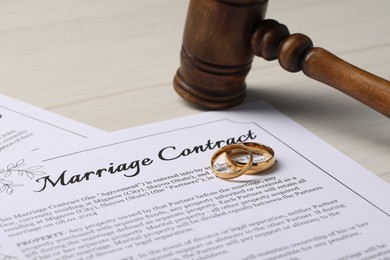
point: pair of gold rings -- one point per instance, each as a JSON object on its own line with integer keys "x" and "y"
{"x": 244, "y": 158}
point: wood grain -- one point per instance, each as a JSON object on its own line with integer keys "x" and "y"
{"x": 110, "y": 64}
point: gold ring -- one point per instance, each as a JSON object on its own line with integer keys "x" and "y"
{"x": 262, "y": 164}
{"x": 242, "y": 167}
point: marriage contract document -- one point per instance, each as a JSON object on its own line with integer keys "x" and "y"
{"x": 149, "y": 193}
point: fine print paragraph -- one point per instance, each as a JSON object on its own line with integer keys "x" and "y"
{"x": 12, "y": 138}
{"x": 139, "y": 231}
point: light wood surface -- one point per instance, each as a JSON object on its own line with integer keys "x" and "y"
{"x": 110, "y": 64}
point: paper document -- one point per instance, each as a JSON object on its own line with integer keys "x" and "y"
{"x": 149, "y": 193}
{"x": 24, "y": 128}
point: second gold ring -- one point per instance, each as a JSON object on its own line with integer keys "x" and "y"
{"x": 263, "y": 158}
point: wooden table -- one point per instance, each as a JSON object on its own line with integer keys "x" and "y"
{"x": 110, "y": 64}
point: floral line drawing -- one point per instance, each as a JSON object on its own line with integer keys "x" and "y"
{"x": 8, "y": 186}
{"x": 19, "y": 169}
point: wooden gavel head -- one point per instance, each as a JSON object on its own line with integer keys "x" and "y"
{"x": 221, "y": 37}
{"x": 216, "y": 55}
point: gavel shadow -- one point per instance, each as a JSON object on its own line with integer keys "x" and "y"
{"x": 330, "y": 114}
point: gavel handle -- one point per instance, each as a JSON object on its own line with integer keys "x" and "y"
{"x": 295, "y": 52}
{"x": 369, "y": 89}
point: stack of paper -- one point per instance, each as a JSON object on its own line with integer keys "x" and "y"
{"x": 148, "y": 192}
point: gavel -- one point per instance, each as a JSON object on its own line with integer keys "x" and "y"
{"x": 221, "y": 38}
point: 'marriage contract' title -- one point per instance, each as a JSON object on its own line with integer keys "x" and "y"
{"x": 133, "y": 168}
